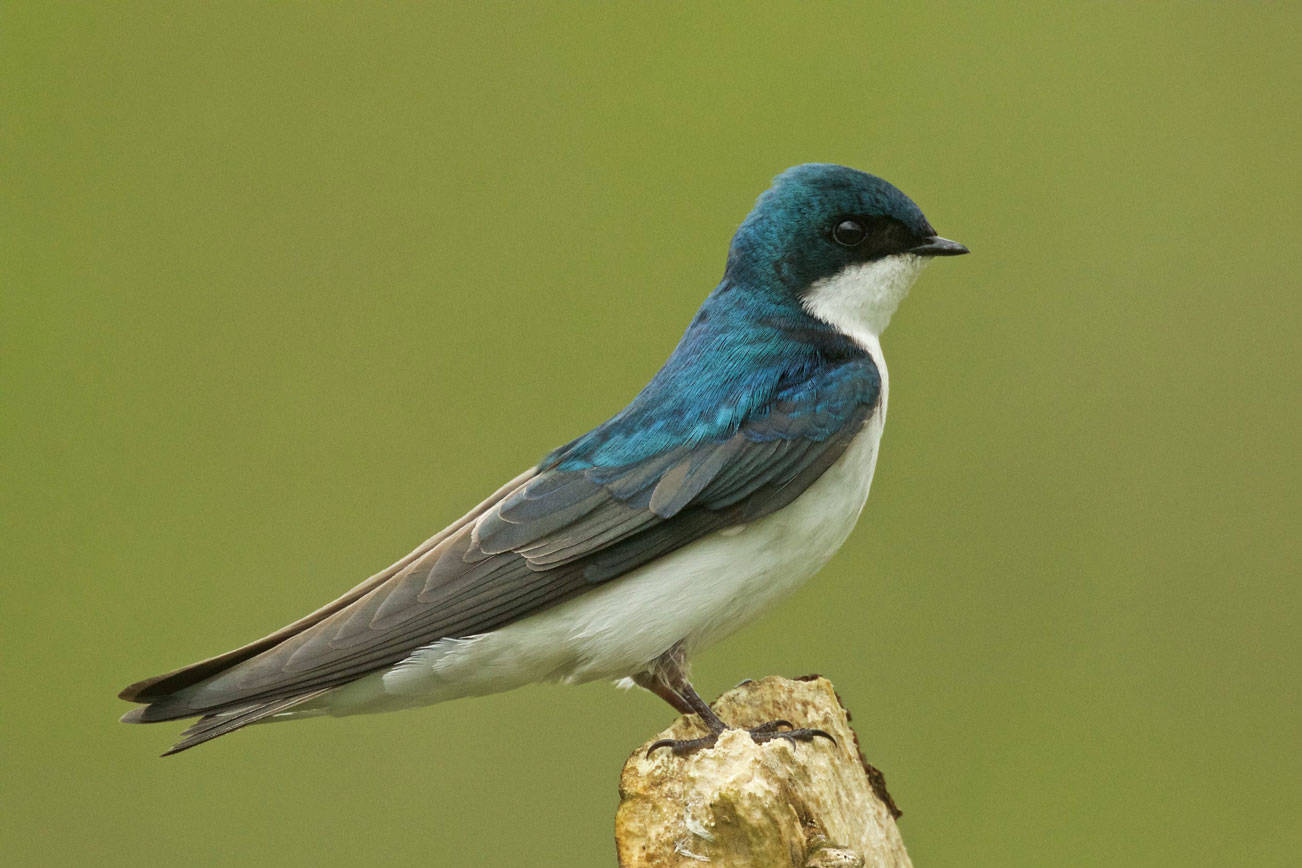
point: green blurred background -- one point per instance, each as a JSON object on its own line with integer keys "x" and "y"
{"x": 288, "y": 286}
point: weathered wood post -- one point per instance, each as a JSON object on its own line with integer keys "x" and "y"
{"x": 809, "y": 805}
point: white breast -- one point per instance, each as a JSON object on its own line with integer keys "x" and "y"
{"x": 697, "y": 594}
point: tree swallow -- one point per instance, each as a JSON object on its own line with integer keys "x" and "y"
{"x": 727, "y": 482}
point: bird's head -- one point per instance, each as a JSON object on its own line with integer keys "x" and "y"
{"x": 845, "y": 244}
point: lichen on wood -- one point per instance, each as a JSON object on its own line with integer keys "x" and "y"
{"x": 813, "y": 804}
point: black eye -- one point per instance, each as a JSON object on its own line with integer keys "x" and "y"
{"x": 848, "y": 233}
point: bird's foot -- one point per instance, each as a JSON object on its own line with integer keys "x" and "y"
{"x": 774, "y": 729}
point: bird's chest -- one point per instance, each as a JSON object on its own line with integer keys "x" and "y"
{"x": 792, "y": 544}
{"x": 726, "y": 580}
{"x": 706, "y": 590}
{"x": 800, "y": 538}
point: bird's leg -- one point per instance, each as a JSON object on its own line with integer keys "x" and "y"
{"x": 668, "y": 677}
{"x": 666, "y": 670}
{"x": 649, "y": 681}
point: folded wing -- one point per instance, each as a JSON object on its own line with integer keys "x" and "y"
{"x": 546, "y": 537}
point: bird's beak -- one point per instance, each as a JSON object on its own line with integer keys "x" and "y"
{"x": 937, "y": 246}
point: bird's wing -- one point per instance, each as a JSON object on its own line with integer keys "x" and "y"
{"x": 547, "y": 538}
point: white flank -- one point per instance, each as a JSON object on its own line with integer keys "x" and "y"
{"x": 697, "y": 594}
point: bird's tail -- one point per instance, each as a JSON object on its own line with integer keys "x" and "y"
{"x": 218, "y": 723}
{"x": 180, "y": 694}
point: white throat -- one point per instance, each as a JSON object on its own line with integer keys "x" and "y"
{"x": 859, "y": 299}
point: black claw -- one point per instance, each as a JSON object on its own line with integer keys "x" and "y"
{"x": 791, "y": 735}
{"x": 771, "y": 726}
{"x": 768, "y": 731}
{"x": 683, "y": 746}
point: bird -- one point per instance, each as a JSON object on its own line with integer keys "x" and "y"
{"x": 730, "y": 479}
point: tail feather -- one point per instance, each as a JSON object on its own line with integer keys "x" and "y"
{"x": 211, "y": 726}
{"x": 166, "y": 708}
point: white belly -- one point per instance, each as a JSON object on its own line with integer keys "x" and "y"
{"x": 696, "y": 595}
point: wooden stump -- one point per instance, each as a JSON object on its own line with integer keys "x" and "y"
{"x": 808, "y": 805}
